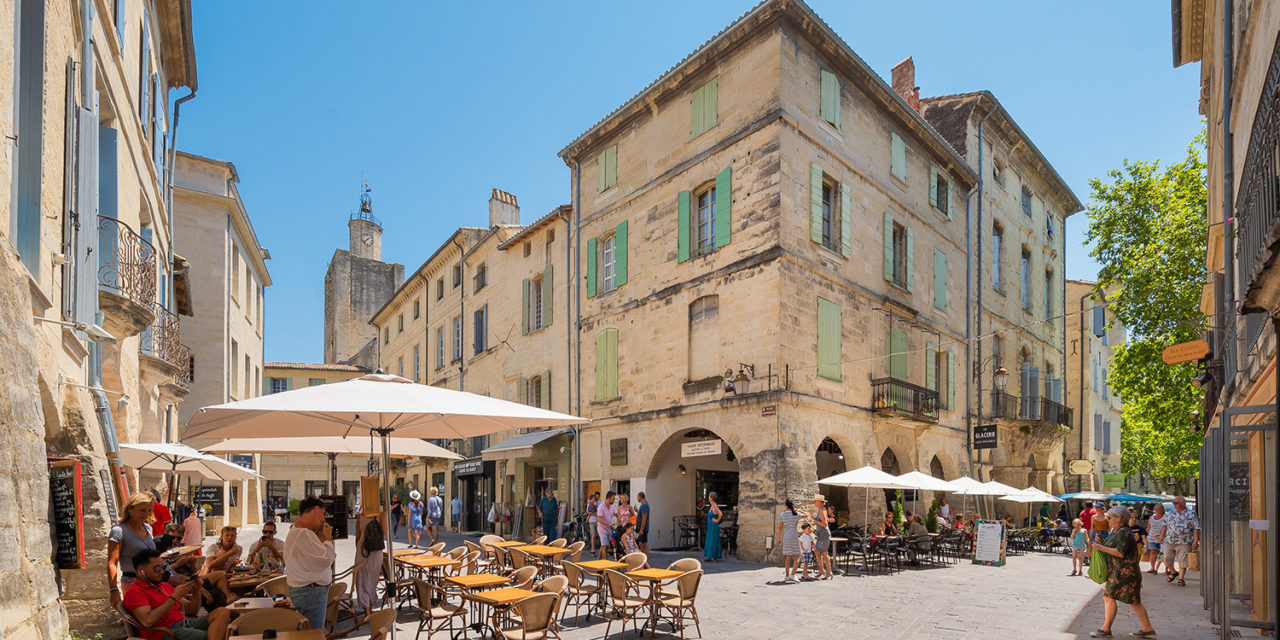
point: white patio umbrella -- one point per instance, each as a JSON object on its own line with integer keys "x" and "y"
{"x": 1031, "y": 495}
{"x": 965, "y": 486}
{"x": 179, "y": 459}
{"x": 867, "y": 477}
{"x": 332, "y": 447}
{"x": 921, "y": 481}
{"x": 385, "y": 405}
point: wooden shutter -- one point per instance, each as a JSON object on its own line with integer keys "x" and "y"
{"x": 28, "y": 217}
{"x": 933, "y": 186}
{"x": 144, "y": 71}
{"x": 898, "y": 354}
{"x": 592, "y": 249}
{"x": 888, "y": 247}
{"x": 951, "y": 381}
{"x": 830, "y": 98}
{"x": 1097, "y": 430}
{"x": 682, "y": 235}
{"x": 898, "y": 156}
{"x": 546, "y": 389}
{"x": 939, "y": 279}
{"x": 602, "y": 172}
{"x": 522, "y": 390}
{"x": 524, "y": 305}
{"x": 620, "y": 254}
{"x": 548, "y": 296}
{"x": 288, "y": 384}
{"x": 697, "y": 124}
{"x": 724, "y": 207}
{"x": 930, "y": 366}
{"x": 602, "y": 350}
{"x": 1106, "y": 436}
{"x": 846, "y": 220}
{"x": 829, "y": 329}
{"x": 1099, "y": 321}
{"x": 815, "y": 202}
{"x": 710, "y": 106}
{"x": 611, "y": 370}
{"x": 911, "y": 252}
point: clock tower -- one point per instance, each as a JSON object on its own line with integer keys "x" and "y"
{"x": 356, "y": 286}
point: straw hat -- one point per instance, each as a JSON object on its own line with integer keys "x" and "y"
{"x": 414, "y": 495}
{"x": 819, "y": 498}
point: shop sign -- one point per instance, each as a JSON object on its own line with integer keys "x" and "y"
{"x": 1112, "y": 480}
{"x": 701, "y": 448}
{"x": 984, "y": 436}
{"x": 1238, "y": 486}
{"x": 242, "y": 459}
{"x": 468, "y": 467}
{"x": 1185, "y": 352}
{"x": 1080, "y": 467}
{"x": 769, "y": 410}
{"x": 618, "y": 452}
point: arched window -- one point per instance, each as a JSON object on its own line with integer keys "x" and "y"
{"x": 935, "y": 468}
{"x": 704, "y": 338}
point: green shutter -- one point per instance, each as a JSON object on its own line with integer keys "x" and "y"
{"x": 710, "y": 106}
{"x": 602, "y": 350}
{"x": 933, "y": 186}
{"x": 846, "y": 220}
{"x": 888, "y": 247}
{"x": 939, "y": 279}
{"x": 602, "y": 164}
{"x": 697, "y": 124}
{"x": 266, "y": 385}
{"x": 930, "y": 366}
{"x": 829, "y": 351}
{"x": 951, "y": 381}
{"x": 815, "y": 202}
{"x": 546, "y": 389}
{"x": 898, "y": 156}
{"x": 724, "y": 207}
{"x": 897, "y": 354}
{"x": 548, "y": 296}
{"x": 682, "y": 236}
{"x": 620, "y": 254}
{"x": 611, "y": 371}
{"x": 591, "y": 267}
{"x": 831, "y": 98}
{"x": 288, "y": 384}
{"x": 522, "y": 390}
{"x": 911, "y": 251}
{"x": 524, "y": 306}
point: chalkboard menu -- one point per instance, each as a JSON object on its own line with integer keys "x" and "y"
{"x": 335, "y": 513}
{"x": 210, "y": 498}
{"x": 1238, "y": 486}
{"x": 109, "y": 493}
{"x": 68, "y": 513}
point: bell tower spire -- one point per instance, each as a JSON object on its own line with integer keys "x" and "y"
{"x": 365, "y": 229}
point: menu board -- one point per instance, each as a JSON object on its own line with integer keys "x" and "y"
{"x": 989, "y": 549}
{"x": 210, "y": 498}
{"x": 109, "y": 493}
{"x": 370, "y": 495}
{"x": 335, "y": 513}
{"x": 1238, "y": 488}
{"x": 65, "y": 494}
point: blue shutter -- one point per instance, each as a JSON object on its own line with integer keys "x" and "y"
{"x": 1099, "y": 321}
{"x": 26, "y": 219}
{"x": 144, "y": 71}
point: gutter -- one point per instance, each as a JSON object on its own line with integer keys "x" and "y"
{"x": 575, "y": 469}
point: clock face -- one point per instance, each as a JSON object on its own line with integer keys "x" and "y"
{"x": 367, "y": 240}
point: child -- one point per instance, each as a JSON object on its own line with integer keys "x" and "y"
{"x": 629, "y": 538}
{"x": 1078, "y": 546}
{"x": 806, "y": 548}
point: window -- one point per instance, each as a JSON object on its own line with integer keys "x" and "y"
{"x": 997, "y": 170}
{"x": 535, "y": 311}
{"x": 607, "y": 264}
{"x": 939, "y": 279}
{"x": 705, "y": 346}
{"x": 400, "y": 366}
{"x": 536, "y": 296}
{"x": 533, "y": 393}
{"x": 386, "y": 336}
{"x": 248, "y": 376}
{"x": 551, "y": 236}
{"x": 235, "y": 358}
{"x": 316, "y": 488}
{"x": 704, "y": 109}
{"x": 897, "y": 156}
{"x": 417, "y": 363}
{"x": 257, "y": 380}
{"x": 276, "y": 385}
{"x": 830, "y": 105}
{"x": 249, "y": 293}
{"x": 457, "y": 338}
{"x": 607, "y": 261}
{"x": 997, "y": 348}
{"x": 1097, "y": 431}
{"x": 235, "y": 273}
{"x": 1099, "y": 321}
{"x": 829, "y": 204}
{"x": 705, "y": 222}
{"x": 528, "y": 248}
{"x": 440, "y": 289}
{"x": 315, "y": 382}
{"x": 830, "y": 217}
{"x": 401, "y": 320}
{"x": 829, "y": 334}
{"x": 457, "y": 276}
{"x": 606, "y": 365}
{"x": 1048, "y": 223}
{"x": 1048, "y": 293}
{"x": 1026, "y": 200}
{"x": 479, "y": 280}
{"x": 898, "y": 248}
{"x": 1026, "y": 279}
{"x": 191, "y": 368}
{"x": 481, "y": 328}
{"x": 25, "y": 223}
{"x": 997, "y": 255}
{"x": 417, "y": 309}
{"x": 939, "y": 191}
{"x": 608, "y": 169}
{"x": 440, "y": 348}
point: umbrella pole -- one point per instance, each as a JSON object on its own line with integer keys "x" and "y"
{"x": 333, "y": 474}
{"x": 386, "y": 494}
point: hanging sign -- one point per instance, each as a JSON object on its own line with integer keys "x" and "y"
{"x": 1185, "y": 352}
{"x": 1080, "y": 467}
{"x": 370, "y": 495}
{"x": 701, "y": 448}
{"x": 984, "y": 436}
{"x": 618, "y": 452}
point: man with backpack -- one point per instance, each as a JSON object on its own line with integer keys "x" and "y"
{"x": 435, "y": 515}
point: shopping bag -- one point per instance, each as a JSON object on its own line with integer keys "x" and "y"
{"x": 1193, "y": 561}
{"x": 1098, "y": 567}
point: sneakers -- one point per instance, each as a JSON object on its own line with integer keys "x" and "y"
{"x": 1143, "y": 634}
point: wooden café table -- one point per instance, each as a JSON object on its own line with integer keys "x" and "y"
{"x": 500, "y": 599}
{"x": 546, "y": 554}
{"x": 309, "y": 634}
{"x": 477, "y": 581}
{"x": 400, "y": 553}
{"x": 653, "y": 577}
{"x": 243, "y": 581}
{"x": 245, "y": 605}
{"x": 431, "y": 564}
{"x": 509, "y": 543}
{"x": 599, "y": 567}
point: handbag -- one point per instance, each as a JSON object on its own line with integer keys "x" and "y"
{"x": 1098, "y": 567}
{"x": 1193, "y": 561}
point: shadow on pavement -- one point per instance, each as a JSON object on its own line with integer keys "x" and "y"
{"x": 1175, "y": 612}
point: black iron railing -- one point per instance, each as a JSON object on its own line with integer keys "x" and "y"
{"x": 892, "y": 394}
{"x": 126, "y": 262}
{"x": 1258, "y": 207}
{"x": 163, "y": 340}
{"x": 1029, "y": 409}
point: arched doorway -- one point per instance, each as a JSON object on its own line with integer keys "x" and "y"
{"x": 686, "y": 468}
{"x": 935, "y": 469}
{"x": 889, "y": 465}
{"x": 830, "y": 459}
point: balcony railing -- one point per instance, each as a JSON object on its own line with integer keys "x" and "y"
{"x": 126, "y": 262}
{"x": 1258, "y": 208}
{"x": 163, "y": 340}
{"x": 902, "y": 397}
{"x": 1029, "y": 409}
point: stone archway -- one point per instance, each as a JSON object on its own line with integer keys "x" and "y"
{"x": 684, "y": 470}
{"x": 830, "y": 460}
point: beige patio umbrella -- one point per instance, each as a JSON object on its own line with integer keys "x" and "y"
{"x": 181, "y": 460}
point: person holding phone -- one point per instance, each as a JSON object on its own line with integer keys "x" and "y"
{"x": 309, "y": 552}
{"x": 268, "y": 551}
{"x": 153, "y": 602}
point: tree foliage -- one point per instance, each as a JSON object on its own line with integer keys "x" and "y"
{"x": 1148, "y": 229}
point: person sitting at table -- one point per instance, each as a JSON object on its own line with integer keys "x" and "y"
{"x": 629, "y": 544}
{"x": 919, "y": 533}
{"x": 172, "y": 535}
{"x": 153, "y": 602}
{"x": 223, "y": 553}
{"x": 887, "y": 527}
{"x": 269, "y": 550}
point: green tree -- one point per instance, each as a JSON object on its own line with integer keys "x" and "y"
{"x": 1148, "y": 229}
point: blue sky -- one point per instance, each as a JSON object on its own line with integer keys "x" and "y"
{"x": 437, "y": 103}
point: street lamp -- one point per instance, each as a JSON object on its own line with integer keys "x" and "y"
{"x": 1002, "y": 378}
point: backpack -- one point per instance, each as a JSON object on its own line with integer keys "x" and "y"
{"x": 373, "y": 538}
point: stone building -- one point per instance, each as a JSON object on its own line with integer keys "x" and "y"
{"x": 356, "y": 285}
{"x": 1093, "y": 333}
{"x": 92, "y": 288}
{"x": 1237, "y": 43}
{"x": 212, "y": 229}
{"x": 1018, "y": 213}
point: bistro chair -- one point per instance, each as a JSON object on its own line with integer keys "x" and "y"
{"x": 556, "y": 585}
{"x": 499, "y": 563}
{"x": 682, "y": 565}
{"x": 523, "y": 577}
{"x": 338, "y": 597}
{"x": 624, "y": 595}
{"x": 635, "y": 560}
{"x": 519, "y": 559}
{"x": 456, "y": 552}
{"x": 274, "y": 587}
{"x": 575, "y": 550}
{"x": 578, "y": 591}
{"x": 559, "y": 543}
{"x": 539, "y": 540}
{"x": 380, "y": 623}
{"x": 682, "y": 604}
{"x": 534, "y": 618}
{"x": 435, "y": 611}
{"x": 135, "y": 628}
{"x": 470, "y": 563}
{"x": 435, "y": 549}
{"x": 278, "y": 619}
{"x": 489, "y": 538}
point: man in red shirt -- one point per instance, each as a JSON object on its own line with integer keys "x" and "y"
{"x": 153, "y": 602}
{"x": 161, "y": 513}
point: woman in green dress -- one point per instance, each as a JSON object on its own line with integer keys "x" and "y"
{"x": 1124, "y": 576}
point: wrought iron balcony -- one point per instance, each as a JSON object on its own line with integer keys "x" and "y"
{"x": 1029, "y": 409}
{"x": 1258, "y": 210}
{"x": 126, "y": 262}
{"x": 163, "y": 340}
{"x": 891, "y": 395}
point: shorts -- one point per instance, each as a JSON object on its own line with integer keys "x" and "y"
{"x": 1176, "y": 554}
{"x": 1153, "y": 546}
{"x": 435, "y": 521}
{"x": 191, "y": 628}
{"x": 806, "y": 557}
{"x": 606, "y": 537}
{"x": 643, "y": 538}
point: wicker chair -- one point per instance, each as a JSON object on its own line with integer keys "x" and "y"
{"x": 681, "y": 565}
{"x": 534, "y": 617}
{"x": 575, "y": 549}
{"x": 134, "y": 627}
{"x": 578, "y": 591}
{"x": 519, "y": 559}
{"x": 499, "y": 565}
{"x": 456, "y": 552}
{"x": 624, "y": 595}
{"x": 273, "y": 587}
{"x": 539, "y": 540}
{"x": 558, "y": 542}
{"x": 523, "y": 577}
{"x": 683, "y": 603}
{"x": 380, "y": 623}
{"x": 436, "y": 548}
{"x": 435, "y": 611}
{"x": 637, "y": 560}
{"x": 488, "y": 539}
{"x": 278, "y": 619}
{"x": 338, "y": 598}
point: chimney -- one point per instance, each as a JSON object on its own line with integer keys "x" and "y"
{"x": 904, "y": 82}
{"x": 503, "y": 209}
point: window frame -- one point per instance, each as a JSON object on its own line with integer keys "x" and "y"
{"x": 899, "y": 255}
{"x": 480, "y": 318}
{"x": 1026, "y": 200}
{"x": 457, "y": 276}
{"x": 440, "y": 288}
{"x": 457, "y": 339}
{"x": 535, "y": 303}
{"x": 533, "y": 391}
{"x": 480, "y": 279}
{"x": 1025, "y": 279}
{"x": 832, "y": 222}
{"x": 439, "y": 348}
{"x": 703, "y": 244}
{"x": 997, "y": 256}
{"x": 608, "y": 263}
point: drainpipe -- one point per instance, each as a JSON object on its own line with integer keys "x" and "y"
{"x": 577, "y": 306}
{"x": 574, "y": 470}
{"x": 1084, "y": 341}
{"x": 173, "y": 156}
{"x": 462, "y": 307}
{"x": 968, "y": 324}
{"x": 1217, "y": 588}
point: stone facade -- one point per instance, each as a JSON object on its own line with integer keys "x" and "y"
{"x": 1092, "y": 344}
{"x": 356, "y": 285}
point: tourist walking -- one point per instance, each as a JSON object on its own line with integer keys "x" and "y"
{"x": 309, "y": 554}
{"x": 128, "y": 537}
{"x": 435, "y": 515}
{"x": 370, "y": 546}
{"x": 1124, "y": 575}
{"x": 1155, "y": 534}
{"x": 1181, "y": 537}
{"x": 455, "y": 506}
{"x": 806, "y": 549}
{"x": 822, "y": 537}
{"x": 593, "y": 504}
{"x": 642, "y": 523}
{"x": 605, "y": 515}
{"x": 711, "y": 546}
{"x": 397, "y": 512}
{"x": 415, "y": 518}
{"x": 1079, "y": 543}
{"x": 789, "y": 537}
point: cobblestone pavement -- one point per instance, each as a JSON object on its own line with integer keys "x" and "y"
{"x": 1031, "y": 597}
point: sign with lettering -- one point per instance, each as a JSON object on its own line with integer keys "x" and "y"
{"x": 243, "y": 459}
{"x": 109, "y": 494}
{"x": 1238, "y": 490}
{"x": 65, "y": 494}
{"x": 701, "y": 448}
{"x": 984, "y": 436}
{"x": 1113, "y": 481}
{"x": 468, "y": 467}
{"x": 618, "y": 452}
{"x": 210, "y": 498}
{"x": 769, "y": 410}
{"x": 989, "y": 549}
{"x": 335, "y": 513}
{"x": 1080, "y": 467}
{"x": 1185, "y": 352}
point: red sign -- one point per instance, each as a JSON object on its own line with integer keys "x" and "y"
{"x": 769, "y": 410}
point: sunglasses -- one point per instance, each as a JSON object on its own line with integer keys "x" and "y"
{"x": 270, "y": 532}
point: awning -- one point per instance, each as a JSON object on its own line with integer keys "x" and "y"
{"x": 521, "y": 446}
